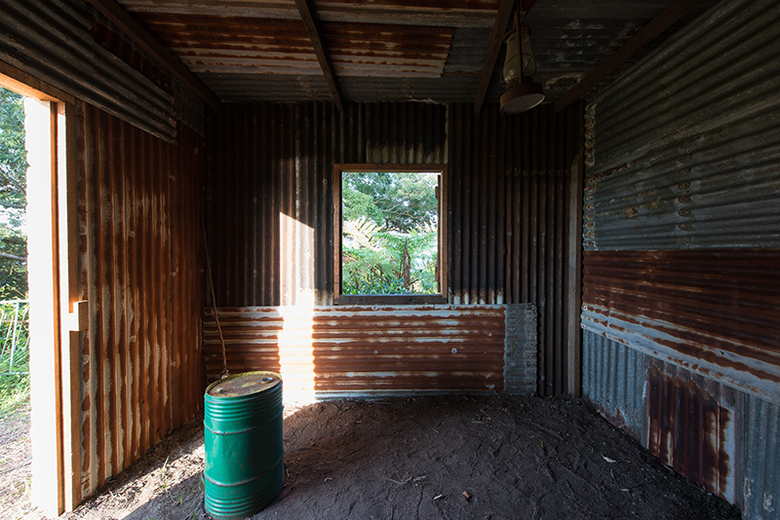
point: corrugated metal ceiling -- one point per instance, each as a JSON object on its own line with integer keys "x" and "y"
{"x": 431, "y": 50}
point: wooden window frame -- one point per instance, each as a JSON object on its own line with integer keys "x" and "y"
{"x": 442, "y": 263}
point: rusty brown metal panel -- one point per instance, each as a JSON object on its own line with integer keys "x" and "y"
{"x": 140, "y": 261}
{"x": 692, "y": 426}
{"x": 233, "y": 44}
{"x": 366, "y": 349}
{"x": 52, "y": 41}
{"x": 712, "y": 311}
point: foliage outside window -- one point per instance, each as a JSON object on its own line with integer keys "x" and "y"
{"x": 389, "y": 232}
{"x": 13, "y": 202}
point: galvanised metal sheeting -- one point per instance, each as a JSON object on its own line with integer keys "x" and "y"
{"x": 509, "y": 218}
{"x": 687, "y": 149}
{"x": 723, "y": 438}
{"x": 760, "y": 482}
{"x": 140, "y": 261}
{"x": 52, "y": 40}
{"x": 362, "y": 350}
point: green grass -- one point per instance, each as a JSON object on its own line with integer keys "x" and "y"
{"x": 14, "y": 378}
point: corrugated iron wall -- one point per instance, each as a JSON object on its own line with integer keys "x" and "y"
{"x": 140, "y": 274}
{"x": 270, "y": 214}
{"x": 270, "y": 195}
{"x": 682, "y": 260}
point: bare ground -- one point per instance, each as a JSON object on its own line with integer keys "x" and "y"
{"x": 449, "y": 457}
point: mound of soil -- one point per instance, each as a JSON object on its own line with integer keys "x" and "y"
{"x": 449, "y": 457}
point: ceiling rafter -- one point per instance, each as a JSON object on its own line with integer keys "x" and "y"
{"x": 647, "y": 34}
{"x": 128, "y": 25}
{"x": 314, "y": 28}
{"x": 502, "y": 19}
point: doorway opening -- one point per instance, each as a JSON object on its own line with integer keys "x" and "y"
{"x": 36, "y": 348}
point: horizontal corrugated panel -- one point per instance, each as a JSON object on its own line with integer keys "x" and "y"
{"x": 363, "y": 349}
{"x": 464, "y": 13}
{"x": 613, "y": 377}
{"x": 140, "y": 372}
{"x": 52, "y": 41}
{"x": 714, "y": 311}
{"x": 686, "y": 148}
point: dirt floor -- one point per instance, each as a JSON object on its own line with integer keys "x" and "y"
{"x": 449, "y": 457}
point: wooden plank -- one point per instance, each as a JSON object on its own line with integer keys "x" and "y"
{"x": 128, "y": 25}
{"x": 574, "y": 279}
{"x": 648, "y": 33}
{"x": 313, "y": 27}
{"x": 502, "y": 19}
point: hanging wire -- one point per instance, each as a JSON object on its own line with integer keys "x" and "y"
{"x": 214, "y": 301}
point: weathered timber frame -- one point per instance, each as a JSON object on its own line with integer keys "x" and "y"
{"x": 442, "y": 260}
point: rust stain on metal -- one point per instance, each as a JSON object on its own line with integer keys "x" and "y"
{"x": 364, "y": 349}
{"x": 688, "y": 430}
{"x": 717, "y": 306}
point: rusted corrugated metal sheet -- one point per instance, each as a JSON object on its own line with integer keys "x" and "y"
{"x": 139, "y": 271}
{"x": 509, "y": 221}
{"x": 188, "y": 107}
{"x": 362, "y": 350}
{"x": 714, "y": 312}
{"x": 614, "y": 378}
{"x": 759, "y": 486}
{"x": 233, "y": 44}
{"x": 686, "y": 148}
{"x": 723, "y": 438}
{"x": 52, "y": 41}
{"x": 691, "y": 426}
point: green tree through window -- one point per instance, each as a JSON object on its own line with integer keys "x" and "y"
{"x": 13, "y": 201}
{"x": 389, "y": 232}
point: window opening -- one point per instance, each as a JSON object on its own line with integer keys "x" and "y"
{"x": 389, "y": 234}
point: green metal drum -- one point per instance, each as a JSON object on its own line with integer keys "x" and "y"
{"x": 243, "y": 441}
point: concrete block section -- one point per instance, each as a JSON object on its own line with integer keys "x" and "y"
{"x": 520, "y": 349}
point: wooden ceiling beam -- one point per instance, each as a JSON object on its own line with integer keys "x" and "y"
{"x": 314, "y": 28}
{"x": 648, "y": 33}
{"x": 502, "y": 19}
{"x": 136, "y": 32}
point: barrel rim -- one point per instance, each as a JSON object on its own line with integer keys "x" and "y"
{"x": 277, "y": 381}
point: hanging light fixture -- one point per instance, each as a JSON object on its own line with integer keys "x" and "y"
{"x": 522, "y": 93}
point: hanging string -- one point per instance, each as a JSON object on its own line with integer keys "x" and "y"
{"x": 214, "y": 301}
